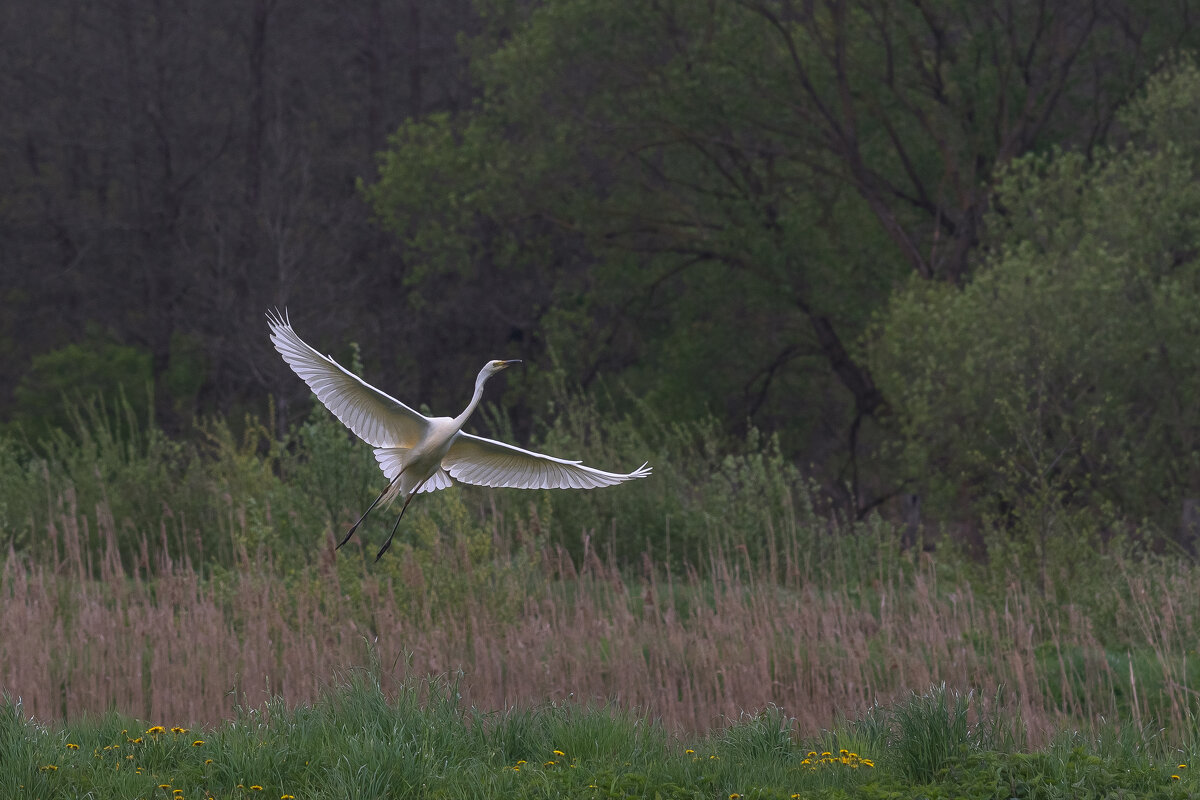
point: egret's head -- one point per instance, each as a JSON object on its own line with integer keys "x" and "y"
{"x": 492, "y": 367}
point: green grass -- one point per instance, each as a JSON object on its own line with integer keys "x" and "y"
{"x": 358, "y": 741}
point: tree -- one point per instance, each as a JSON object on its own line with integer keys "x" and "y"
{"x": 742, "y": 183}
{"x": 1063, "y": 375}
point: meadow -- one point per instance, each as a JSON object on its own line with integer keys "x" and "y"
{"x": 718, "y": 609}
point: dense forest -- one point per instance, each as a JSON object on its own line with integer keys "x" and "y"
{"x": 944, "y": 254}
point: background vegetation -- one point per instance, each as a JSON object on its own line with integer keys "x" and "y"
{"x": 790, "y": 217}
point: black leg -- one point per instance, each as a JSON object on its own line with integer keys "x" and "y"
{"x": 354, "y": 527}
{"x": 396, "y": 527}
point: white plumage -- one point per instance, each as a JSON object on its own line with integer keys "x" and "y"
{"x": 422, "y": 454}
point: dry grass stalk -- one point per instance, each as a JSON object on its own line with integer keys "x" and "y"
{"x": 166, "y": 645}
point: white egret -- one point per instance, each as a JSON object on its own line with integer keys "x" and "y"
{"x": 422, "y": 454}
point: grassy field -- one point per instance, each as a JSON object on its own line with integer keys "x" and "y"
{"x": 421, "y": 741}
{"x": 148, "y": 587}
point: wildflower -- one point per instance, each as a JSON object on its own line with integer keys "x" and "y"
{"x": 178, "y": 730}
{"x": 72, "y": 746}
{"x": 735, "y": 796}
{"x": 516, "y": 769}
{"x": 178, "y": 791}
{"x": 689, "y": 752}
{"x": 157, "y": 729}
{"x": 868, "y": 762}
{"x": 164, "y": 786}
{"x": 134, "y": 741}
{"x": 812, "y": 753}
{"x": 287, "y": 797}
{"x": 1181, "y": 766}
{"x": 256, "y": 788}
{"x": 129, "y": 757}
{"x": 714, "y": 758}
{"x": 844, "y": 751}
{"x": 208, "y": 761}
{"x": 197, "y": 743}
{"x": 795, "y": 796}
{"x": 559, "y": 753}
{"x": 826, "y": 754}
{"x": 548, "y": 764}
{"x": 1174, "y": 777}
{"x": 49, "y": 768}
{"x": 519, "y": 763}
{"x": 806, "y": 761}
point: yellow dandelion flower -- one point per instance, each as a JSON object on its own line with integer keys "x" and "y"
{"x": 806, "y": 762}
{"x": 197, "y": 743}
{"x": 129, "y": 757}
{"x": 519, "y": 763}
{"x": 714, "y": 758}
{"x": 844, "y": 751}
{"x": 72, "y": 746}
{"x": 256, "y": 788}
{"x": 208, "y": 761}
{"x": 178, "y": 791}
{"x": 812, "y": 753}
{"x": 1174, "y": 777}
{"x": 134, "y": 741}
{"x": 49, "y": 768}
{"x": 868, "y": 762}
{"x": 157, "y": 729}
{"x": 548, "y": 764}
{"x": 516, "y": 769}
{"x": 138, "y": 771}
{"x": 826, "y": 754}
{"x": 178, "y": 729}
{"x": 795, "y": 796}
{"x": 689, "y": 752}
{"x": 559, "y": 753}
{"x": 735, "y": 796}
{"x": 164, "y": 786}
{"x": 287, "y": 797}
{"x": 1181, "y": 766}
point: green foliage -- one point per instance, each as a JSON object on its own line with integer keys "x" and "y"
{"x": 76, "y": 374}
{"x": 364, "y": 738}
{"x": 1055, "y": 391}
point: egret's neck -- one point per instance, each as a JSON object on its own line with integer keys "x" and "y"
{"x": 461, "y": 419}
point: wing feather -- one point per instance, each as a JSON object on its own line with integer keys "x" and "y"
{"x": 392, "y": 459}
{"x": 375, "y": 417}
{"x": 486, "y": 462}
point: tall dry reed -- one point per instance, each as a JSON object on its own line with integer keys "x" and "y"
{"x": 161, "y": 642}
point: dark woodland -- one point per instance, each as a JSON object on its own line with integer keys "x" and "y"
{"x": 944, "y": 255}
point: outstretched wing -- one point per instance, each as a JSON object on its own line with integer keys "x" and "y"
{"x": 375, "y": 417}
{"x": 485, "y": 462}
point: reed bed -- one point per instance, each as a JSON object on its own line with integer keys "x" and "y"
{"x": 691, "y": 648}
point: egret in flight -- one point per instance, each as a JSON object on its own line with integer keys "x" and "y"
{"x": 422, "y": 454}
